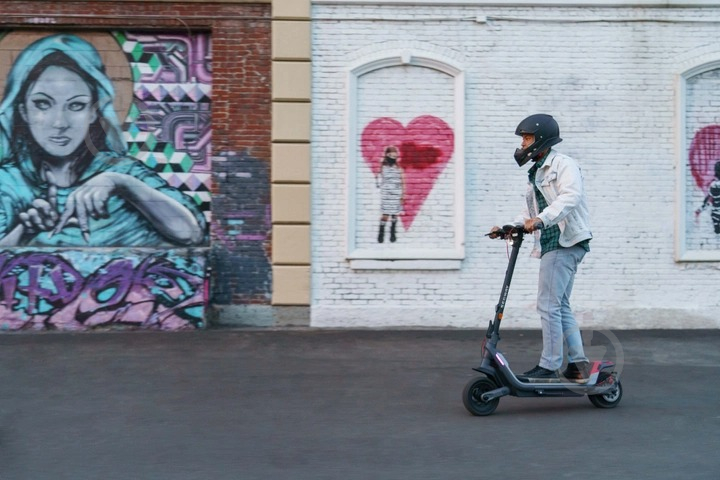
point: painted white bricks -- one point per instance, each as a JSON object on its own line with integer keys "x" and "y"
{"x": 613, "y": 87}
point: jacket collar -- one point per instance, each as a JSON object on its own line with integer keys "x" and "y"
{"x": 547, "y": 162}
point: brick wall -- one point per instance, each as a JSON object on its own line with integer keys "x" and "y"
{"x": 612, "y": 77}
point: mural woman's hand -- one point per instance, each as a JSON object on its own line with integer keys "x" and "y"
{"x": 41, "y": 216}
{"x": 89, "y": 201}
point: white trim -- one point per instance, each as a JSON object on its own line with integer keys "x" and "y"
{"x": 682, "y": 254}
{"x": 528, "y": 3}
{"x": 406, "y": 56}
{"x": 405, "y": 264}
{"x": 400, "y": 254}
{"x": 680, "y": 167}
{"x": 390, "y": 58}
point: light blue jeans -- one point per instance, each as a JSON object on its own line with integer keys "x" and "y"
{"x": 557, "y": 275}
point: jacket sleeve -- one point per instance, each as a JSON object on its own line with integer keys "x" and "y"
{"x": 525, "y": 214}
{"x": 568, "y": 187}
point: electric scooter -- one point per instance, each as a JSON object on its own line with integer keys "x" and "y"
{"x": 481, "y": 394}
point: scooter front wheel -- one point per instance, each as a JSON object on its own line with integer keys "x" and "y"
{"x": 472, "y": 396}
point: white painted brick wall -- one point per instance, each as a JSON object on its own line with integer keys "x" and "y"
{"x": 613, "y": 87}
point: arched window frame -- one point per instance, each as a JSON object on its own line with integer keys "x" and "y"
{"x": 682, "y": 253}
{"x": 411, "y": 258}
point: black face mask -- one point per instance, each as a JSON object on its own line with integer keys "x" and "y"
{"x": 390, "y": 161}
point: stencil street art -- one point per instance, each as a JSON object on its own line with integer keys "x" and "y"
{"x": 424, "y": 146}
{"x": 704, "y": 158}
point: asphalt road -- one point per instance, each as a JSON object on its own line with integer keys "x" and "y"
{"x": 310, "y": 404}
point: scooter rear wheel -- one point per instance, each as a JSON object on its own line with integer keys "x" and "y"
{"x": 607, "y": 400}
{"x": 472, "y": 396}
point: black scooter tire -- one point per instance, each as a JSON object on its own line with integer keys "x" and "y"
{"x": 471, "y": 396}
{"x": 608, "y": 400}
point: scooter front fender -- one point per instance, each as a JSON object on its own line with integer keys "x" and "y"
{"x": 490, "y": 372}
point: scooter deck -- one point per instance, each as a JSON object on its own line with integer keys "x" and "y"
{"x": 595, "y": 368}
{"x": 551, "y": 380}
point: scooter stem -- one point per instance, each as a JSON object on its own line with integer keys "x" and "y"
{"x": 514, "y": 235}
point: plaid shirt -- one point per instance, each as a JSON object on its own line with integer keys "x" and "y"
{"x": 550, "y": 236}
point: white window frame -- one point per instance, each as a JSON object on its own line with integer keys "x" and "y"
{"x": 411, "y": 258}
{"x": 682, "y": 254}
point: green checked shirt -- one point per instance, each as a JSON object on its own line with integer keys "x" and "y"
{"x": 550, "y": 236}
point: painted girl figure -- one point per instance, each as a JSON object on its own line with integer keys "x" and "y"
{"x": 65, "y": 178}
{"x": 713, "y": 200}
{"x": 392, "y": 191}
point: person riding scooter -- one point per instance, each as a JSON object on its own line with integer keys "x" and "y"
{"x": 556, "y": 211}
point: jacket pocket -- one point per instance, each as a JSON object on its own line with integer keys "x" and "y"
{"x": 551, "y": 177}
{"x": 572, "y": 225}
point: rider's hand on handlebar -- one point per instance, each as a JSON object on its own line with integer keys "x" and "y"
{"x": 495, "y": 232}
{"x": 533, "y": 224}
{"x": 510, "y": 231}
{"x": 505, "y": 231}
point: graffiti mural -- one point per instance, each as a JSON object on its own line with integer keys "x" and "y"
{"x": 104, "y": 142}
{"x": 72, "y": 290}
{"x": 168, "y": 125}
{"x": 66, "y": 177}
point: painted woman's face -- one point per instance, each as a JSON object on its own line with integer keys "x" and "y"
{"x": 58, "y": 108}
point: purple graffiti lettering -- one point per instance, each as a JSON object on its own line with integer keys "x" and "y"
{"x": 25, "y": 275}
{"x": 115, "y": 275}
{"x": 135, "y": 292}
{"x": 9, "y": 285}
{"x": 45, "y": 291}
{"x": 33, "y": 290}
{"x": 166, "y": 270}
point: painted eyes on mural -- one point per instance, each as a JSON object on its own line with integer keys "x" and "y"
{"x": 44, "y": 104}
{"x": 77, "y": 106}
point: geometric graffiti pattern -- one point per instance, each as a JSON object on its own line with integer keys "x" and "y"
{"x": 168, "y": 126}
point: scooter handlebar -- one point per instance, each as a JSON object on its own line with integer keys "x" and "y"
{"x": 507, "y": 231}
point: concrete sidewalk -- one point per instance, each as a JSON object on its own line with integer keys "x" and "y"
{"x": 343, "y": 404}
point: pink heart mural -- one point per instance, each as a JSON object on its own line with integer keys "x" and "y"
{"x": 426, "y": 145}
{"x": 704, "y": 153}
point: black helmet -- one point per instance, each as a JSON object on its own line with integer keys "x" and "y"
{"x": 547, "y": 134}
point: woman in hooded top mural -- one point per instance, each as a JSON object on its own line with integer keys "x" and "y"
{"x": 65, "y": 178}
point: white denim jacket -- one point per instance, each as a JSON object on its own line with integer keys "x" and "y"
{"x": 561, "y": 183}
